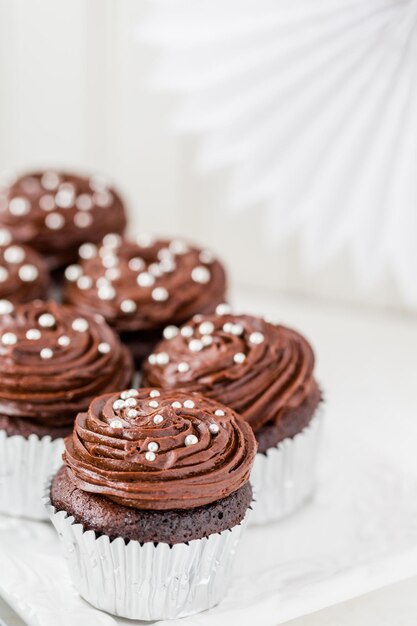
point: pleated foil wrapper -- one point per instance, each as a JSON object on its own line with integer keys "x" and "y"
{"x": 25, "y": 465}
{"x": 146, "y": 581}
{"x": 284, "y": 478}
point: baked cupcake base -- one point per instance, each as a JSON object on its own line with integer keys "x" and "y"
{"x": 283, "y": 477}
{"x": 25, "y": 465}
{"x": 146, "y": 581}
{"x": 105, "y": 517}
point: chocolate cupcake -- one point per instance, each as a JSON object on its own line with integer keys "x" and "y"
{"x": 159, "y": 482}
{"x": 141, "y": 287}
{"x": 53, "y": 361}
{"x": 265, "y": 372}
{"x": 55, "y": 212}
{"x": 23, "y": 274}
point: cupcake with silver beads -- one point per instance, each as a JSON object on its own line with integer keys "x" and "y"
{"x": 23, "y": 273}
{"x": 55, "y": 212}
{"x": 265, "y": 372}
{"x": 53, "y": 361}
{"x": 155, "y": 489}
{"x": 144, "y": 285}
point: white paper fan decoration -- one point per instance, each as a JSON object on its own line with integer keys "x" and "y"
{"x": 312, "y": 105}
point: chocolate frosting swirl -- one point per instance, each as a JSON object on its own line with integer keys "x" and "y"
{"x": 53, "y": 361}
{"x": 54, "y": 212}
{"x": 147, "y": 284}
{"x": 23, "y": 274}
{"x": 159, "y": 450}
{"x": 259, "y": 369}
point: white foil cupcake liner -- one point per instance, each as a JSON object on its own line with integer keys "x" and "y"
{"x": 284, "y": 478}
{"x": 146, "y": 581}
{"x": 25, "y": 465}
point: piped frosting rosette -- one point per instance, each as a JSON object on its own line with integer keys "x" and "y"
{"x": 54, "y": 212}
{"x": 157, "y": 450}
{"x": 265, "y": 372}
{"x": 145, "y": 284}
{"x": 53, "y": 361}
{"x": 23, "y": 274}
{"x": 260, "y": 369}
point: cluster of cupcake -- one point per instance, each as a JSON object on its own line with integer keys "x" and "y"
{"x": 157, "y": 480}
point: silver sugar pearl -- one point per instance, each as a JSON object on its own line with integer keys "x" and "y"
{"x": 155, "y": 393}
{"x": 87, "y": 251}
{"x": 195, "y": 345}
{"x": 103, "y": 199}
{"x": 206, "y": 256}
{"x": 145, "y": 240}
{"x": 110, "y": 260}
{"x": 170, "y": 332}
{"x": 160, "y": 294}
{"x": 153, "y": 446}
{"x": 84, "y": 282}
{"x": 187, "y": 331}
{"x": 206, "y": 328}
{"x": 33, "y": 334}
{"x": 201, "y": 274}
{"x": 158, "y": 419}
{"x": 153, "y": 404}
{"x": 228, "y": 327}
{"x": 219, "y": 412}
{"x": 190, "y": 440}
{"x": 80, "y": 325}
{"x": 189, "y": 404}
{"x": 104, "y": 347}
{"x": 4, "y": 274}
{"x": 130, "y": 402}
{"x": 6, "y": 307}
{"x": 256, "y": 338}
{"x": 128, "y": 306}
{"x": 14, "y": 254}
{"x": 112, "y": 240}
{"x": 8, "y": 339}
{"x": 47, "y": 202}
{"x": 64, "y": 341}
{"x": 136, "y": 264}
{"x": 116, "y": 423}
{"x": 239, "y": 357}
{"x": 214, "y": 429}
{"x": 19, "y": 206}
{"x": 177, "y": 246}
{"x": 176, "y": 405}
{"x": 118, "y": 405}
{"x": 46, "y": 353}
{"x": 206, "y": 340}
{"x": 46, "y": 320}
{"x": 83, "y": 220}
{"x": 152, "y": 359}
{"x": 150, "y": 456}
{"x": 183, "y": 367}
{"x": 54, "y": 221}
{"x": 84, "y": 202}
{"x": 237, "y": 329}
{"x": 73, "y": 272}
{"x": 132, "y": 413}
{"x": 144, "y": 279}
{"x": 113, "y": 273}
{"x": 50, "y": 180}
{"x": 5, "y": 237}
{"x": 223, "y": 309}
{"x": 106, "y": 292}
{"x": 155, "y": 270}
{"x": 162, "y": 358}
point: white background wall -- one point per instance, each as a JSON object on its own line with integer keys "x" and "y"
{"x": 74, "y": 92}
